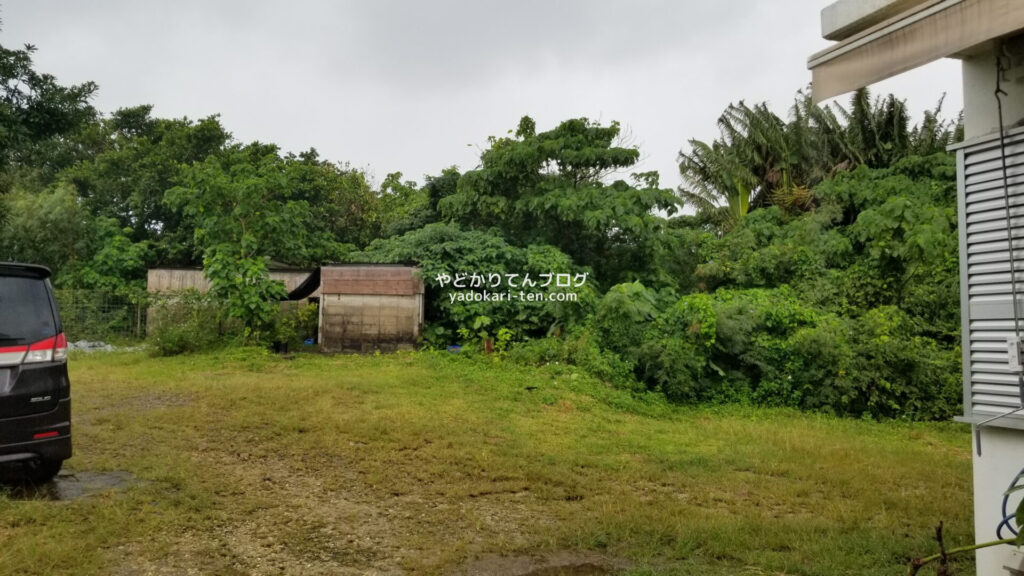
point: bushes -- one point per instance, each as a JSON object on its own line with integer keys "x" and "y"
{"x": 622, "y": 317}
{"x": 187, "y": 322}
{"x": 578, "y": 348}
{"x": 849, "y": 307}
{"x": 764, "y": 346}
{"x": 900, "y": 373}
{"x": 674, "y": 357}
{"x": 445, "y": 249}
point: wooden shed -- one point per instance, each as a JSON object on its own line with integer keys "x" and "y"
{"x": 160, "y": 280}
{"x": 367, "y": 307}
{"x": 168, "y": 281}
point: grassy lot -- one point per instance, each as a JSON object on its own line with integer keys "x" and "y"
{"x": 253, "y": 464}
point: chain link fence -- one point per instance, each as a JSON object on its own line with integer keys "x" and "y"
{"x": 97, "y": 315}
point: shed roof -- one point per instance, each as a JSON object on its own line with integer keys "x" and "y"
{"x": 367, "y": 279}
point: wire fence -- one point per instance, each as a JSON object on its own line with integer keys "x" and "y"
{"x": 97, "y": 315}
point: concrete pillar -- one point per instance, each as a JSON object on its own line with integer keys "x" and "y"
{"x": 979, "y": 77}
{"x": 1001, "y": 459}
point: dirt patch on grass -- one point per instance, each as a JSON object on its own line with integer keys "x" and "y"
{"x": 321, "y": 516}
{"x": 561, "y": 563}
{"x": 135, "y": 404}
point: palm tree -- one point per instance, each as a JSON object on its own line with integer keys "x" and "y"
{"x": 934, "y": 133}
{"x": 716, "y": 182}
{"x": 761, "y": 159}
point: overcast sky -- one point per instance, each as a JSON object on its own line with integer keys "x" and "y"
{"x": 416, "y": 86}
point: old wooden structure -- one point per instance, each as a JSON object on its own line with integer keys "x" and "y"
{"x": 366, "y": 307}
{"x": 161, "y": 280}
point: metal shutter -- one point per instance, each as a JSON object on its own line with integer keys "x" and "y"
{"x": 990, "y": 387}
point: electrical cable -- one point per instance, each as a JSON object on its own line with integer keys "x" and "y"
{"x": 1009, "y": 518}
{"x": 1009, "y": 222}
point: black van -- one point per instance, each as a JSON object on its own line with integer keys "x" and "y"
{"x": 35, "y": 395}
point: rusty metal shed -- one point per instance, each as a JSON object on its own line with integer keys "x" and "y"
{"x": 366, "y": 307}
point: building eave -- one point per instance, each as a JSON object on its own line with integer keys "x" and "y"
{"x": 926, "y": 32}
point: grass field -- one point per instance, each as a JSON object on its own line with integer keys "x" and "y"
{"x": 245, "y": 463}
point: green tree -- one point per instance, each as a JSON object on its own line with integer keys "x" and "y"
{"x": 242, "y": 211}
{"x": 442, "y": 186}
{"x": 717, "y": 182}
{"x": 36, "y": 110}
{"x": 551, "y": 187}
{"x": 141, "y": 158}
{"x": 50, "y": 228}
{"x": 403, "y": 206}
{"x": 54, "y": 228}
{"x": 341, "y": 213}
{"x": 444, "y": 249}
{"x": 759, "y": 159}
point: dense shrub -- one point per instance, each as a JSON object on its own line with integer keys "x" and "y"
{"x": 767, "y": 346}
{"x": 674, "y": 356}
{"x": 622, "y": 316}
{"x": 445, "y": 250}
{"x": 187, "y": 322}
{"x": 578, "y": 348}
{"x": 818, "y": 268}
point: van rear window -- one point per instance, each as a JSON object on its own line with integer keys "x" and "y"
{"x": 26, "y": 315}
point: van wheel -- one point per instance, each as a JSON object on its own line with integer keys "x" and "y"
{"x": 40, "y": 471}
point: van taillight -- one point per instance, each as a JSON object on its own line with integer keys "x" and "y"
{"x": 60, "y": 348}
{"x": 50, "y": 350}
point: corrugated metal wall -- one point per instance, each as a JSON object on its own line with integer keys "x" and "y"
{"x": 990, "y": 387}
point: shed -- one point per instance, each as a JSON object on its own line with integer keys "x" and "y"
{"x": 160, "y": 280}
{"x": 170, "y": 280}
{"x": 366, "y": 307}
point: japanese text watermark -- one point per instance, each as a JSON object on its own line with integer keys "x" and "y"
{"x": 511, "y": 287}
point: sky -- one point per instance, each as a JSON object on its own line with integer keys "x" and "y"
{"x": 417, "y": 86}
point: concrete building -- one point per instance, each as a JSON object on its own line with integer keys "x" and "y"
{"x": 877, "y": 39}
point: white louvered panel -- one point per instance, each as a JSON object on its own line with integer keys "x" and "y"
{"x": 983, "y": 346}
{"x": 990, "y": 210}
{"x": 995, "y": 278}
{"x": 997, "y": 215}
{"x": 983, "y": 186}
{"x": 996, "y": 230}
{"x": 989, "y": 257}
{"x": 991, "y": 289}
{"x": 994, "y": 194}
{"x": 994, "y": 241}
{"x": 993, "y": 404}
{"x": 990, "y": 386}
{"x": 991, "y": 368}
{"x": 982, "y": 326}
{"x": 989, "y": 174}
{"x": 992, "y": 389}
{"x": 1001, "y": 266}
{"x": 977, "y": 178}
{"x": 997, "y": 357}
{"x": 985, "y": 157}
